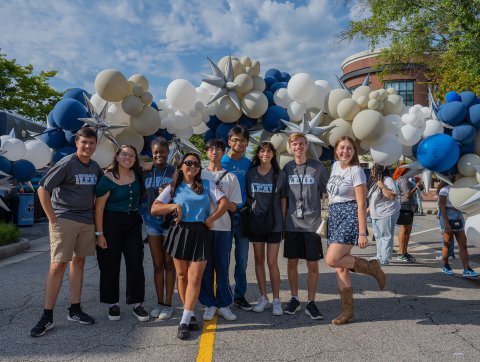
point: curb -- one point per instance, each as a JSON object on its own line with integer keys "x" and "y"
{"x": 14, "y": 249}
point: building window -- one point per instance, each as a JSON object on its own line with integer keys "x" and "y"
{"x": 404, "y": 88}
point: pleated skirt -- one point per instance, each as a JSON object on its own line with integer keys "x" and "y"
{"x": 191, "y": 241}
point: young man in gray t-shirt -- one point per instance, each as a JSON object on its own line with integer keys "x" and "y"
{"x": 67, "y": 197}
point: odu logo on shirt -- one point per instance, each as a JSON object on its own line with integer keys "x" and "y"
{"x": 306, "y": 180}
{"x": 86, "y": 179}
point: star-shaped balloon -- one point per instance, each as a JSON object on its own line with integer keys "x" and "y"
{"x": 223, "y": 81}
{"x": 98, "y": 122}
{"x": 4, "y": 186}
{"x": 416, "y": 168}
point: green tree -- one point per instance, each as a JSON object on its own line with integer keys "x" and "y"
{"x": 26, "y": 93}
{"x": 443, "y": 35}
{"x": 197, "y": 141}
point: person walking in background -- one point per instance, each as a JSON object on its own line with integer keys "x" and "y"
{"x": 219, "y": 300}
{"x": 418, "y": 195}
{"x": 384, "y": 208}
{"x": 262, "y": 181}
{"x": 408, "y": 205}
{"x": 452, "y": 224}
{"x": 66, "y": 194}
{"x": 163, "y": 269}
{"x": 347, "y": 224}
{"x": 236, "y": 162}
{"x": 118, "y": 225}
{"x": 189, "y": 239}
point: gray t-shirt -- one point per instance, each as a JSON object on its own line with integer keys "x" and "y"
{"x": 259, "y": 190}
{"x": 307, "y": 181}
{"x": 72, "y": 186}
{"x": 381, "y": 207}
{"x": 405, "y": 186}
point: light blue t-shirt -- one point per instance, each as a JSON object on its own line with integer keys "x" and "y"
{"x": 239, "y": 168}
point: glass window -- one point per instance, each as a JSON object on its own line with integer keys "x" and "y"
{"x": 404, "y": 88}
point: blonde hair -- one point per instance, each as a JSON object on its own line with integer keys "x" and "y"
{"x": 295, "y": 136}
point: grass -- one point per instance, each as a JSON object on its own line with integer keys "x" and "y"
{"x": 9, "y": 233}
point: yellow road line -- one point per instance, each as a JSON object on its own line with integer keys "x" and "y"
{"x": 207, "y": 341}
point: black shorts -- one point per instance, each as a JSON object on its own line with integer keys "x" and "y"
{"x": 303, "y": 245}
{"x": 270, "y": 238}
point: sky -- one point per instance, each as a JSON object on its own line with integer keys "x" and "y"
{"x": 171, "y": 39}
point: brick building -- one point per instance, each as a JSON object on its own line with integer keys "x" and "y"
{"x": 409, "y": 80}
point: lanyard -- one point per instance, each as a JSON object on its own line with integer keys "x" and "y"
{"x": 155, "y": 176}
{"x": 300, "y": 180}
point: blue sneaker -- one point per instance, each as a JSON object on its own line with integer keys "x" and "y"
{"x": 470, "y": 273}
{"x": 447, "y": 270}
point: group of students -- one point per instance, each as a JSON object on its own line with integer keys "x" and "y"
{"x": 193, "y": 220}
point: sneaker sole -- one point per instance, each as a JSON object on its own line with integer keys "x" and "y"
{"x": 295, "y": 311}
{"x": 45, "y": 331}
{"x": 228, "y": 319}
{"x": 114, "y": 317}
{"x": 79, "y": 321}
{"x": 260, "y": 311}
{"x": 449, "y": 274}
{"x": 164, "y": 317}
{"x": 141, "y": 319}
{"x": 277, "y": 313}
{"x": 247, "y": 309}
{"x": 307, "y": 312}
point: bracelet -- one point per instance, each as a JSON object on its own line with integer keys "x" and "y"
{"x": 98, "y": 233}
{"x": 363, "y": 234}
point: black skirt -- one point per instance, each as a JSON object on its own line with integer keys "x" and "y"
{"x": 191, "y": 241}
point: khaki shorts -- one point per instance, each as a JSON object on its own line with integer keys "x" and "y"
{"x": 70, "y": 238}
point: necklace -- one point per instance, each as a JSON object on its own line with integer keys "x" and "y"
{"x": 344, "y": 173}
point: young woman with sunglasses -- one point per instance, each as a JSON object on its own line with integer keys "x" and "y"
{"x": 189, "y": 239}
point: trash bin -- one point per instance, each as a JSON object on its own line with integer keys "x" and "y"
{"x": 25, "y": 209}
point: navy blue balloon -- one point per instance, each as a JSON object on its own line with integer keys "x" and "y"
{"x": 451, "y": 171}
{"x": 285, "y": 77}
{"x": 70, "y": 137}
{"x": 247, "y": 121}
{"x": 473, "y": 115}
{"x": 147, "y": 140}
{"x": 276, "y": 86}
{"x": 467, "y": 148}
{"x": 415, "y": 149}
{"x": 50, "y": 121}
{"x": 223, "y": 129}
{"x": 207, "y": 136}
{"x": 213, "y": 123}
{"x": 452, "y": 113}
{"x": 62, "y": 152}
{"x": 271, "y": 120}
{"x": 275, "y": 73}
{"x": 77, "y": 93}
{"x": 162, "y": 132}
{"x": 452, "y": 97}
{"x": 269, "y": 81}
{"x": 468, "y": 98}
{"x": 438, "y": 152}
{"x": 67, "y": 112}
{"x": 23, "y": 170}
{"x": 5, "y": 164}
{"x": 269, "y": 96}
{"x": 327, "y": 154}
{"x": 53, "y": 137}
{"x": 154, "y": 106}
{"x": 448, "y": 131}
{"x": 464, "y": 133}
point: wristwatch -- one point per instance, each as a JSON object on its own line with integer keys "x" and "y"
{"x": 98, "y": 233}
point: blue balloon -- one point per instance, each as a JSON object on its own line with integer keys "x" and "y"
{"x": 77, "y": 94}
{"x": 451, "y": 171}
{"x": 23, "y": 170}
{"x": 271, "y": 119}
{"x": 452, "y": 113}
{"x": 468, "y": 98}
{"x": 62, "y": 152}
{"x": 285, "y": 77}
{"x": 50, "y": 121}
{"x": 67, "y": 112}
{"x": 464, "y": 133}
{"x": 154, "y": 106}
{"x": 70, "y": 137}
{"x": 269, "y": 81}
{"x": 415, "y": 149}
{"x": 269, "y": 96}
{"x": 327, "y": 154}
{"x": 223, "y": 129}
{"x": 147, "y": 140}
{"x": 275, "y": 73}
{"x": 452, "y": 97}
{"x": 164, "y": 133}
{"x": 473, "y": 115}
{"x": 5, "y": 164}
{"x": 247, "y": 121}
{"x": 276, "y": 86}
{"x": 213, "y": 123}
{"x": 467, "y": 148}
{"x": 438, "y": 152}
{"x": 208, "y": 135}
{"x": 53, "y": 137}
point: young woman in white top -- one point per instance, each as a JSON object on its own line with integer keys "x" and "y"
{"x": 347, "y": 224}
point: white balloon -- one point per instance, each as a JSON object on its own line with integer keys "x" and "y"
{"x": 181, "y": 94}
{"x": 203, "y": 95}
{"x": 97, "y": 102}
{"x": 185, "y": 133}
{"x": 466, "y": 162}
{"x": 38, "y": 153}
{"x": 104, "y": 153}
{"x": 409, "y": 135}
{"x": 181, "y": 120}
{"x": 472, "y": 228}
{"x": 200, "y": 129}
{"x": 4, "y": 138}
{"x": 210, "y": 88}
{"x": 212, "y": 108}
{"x": 432, "y": 127}
{"x": 461, "y": 190}
{"x": 296, "y": 111}
{"x": 301, "y": 87}
{"x": 147, "y": 122}
{"x": 317, "y": 99}
{"x": 387, "y": 150}
{"x": 281, "y": 98}
{"x": 427, "y": 112}
{"x": 130, "y": 137}
{"x": 14, "y": 148}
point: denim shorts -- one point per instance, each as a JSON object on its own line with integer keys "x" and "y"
{"x": 452, "y": 214}
{"x": 153, "y": 225}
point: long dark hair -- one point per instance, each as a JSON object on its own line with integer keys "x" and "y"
{"x": 197, "y": 185}
{"x": 274, "y": 162}
{"x": 378, "y": 173}
{"x": 136, "y": 168}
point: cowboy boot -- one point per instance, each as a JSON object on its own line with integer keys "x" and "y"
{"x": 346, "y": 298}
{"x": 372, "y": 268}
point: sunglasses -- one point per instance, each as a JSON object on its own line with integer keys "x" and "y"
{"x": 190, "y": 163}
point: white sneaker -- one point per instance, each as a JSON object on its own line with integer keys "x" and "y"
{"x": 226, "y": 313}
{"x": 277, "y": 307}
{"x": 166, "y": 312}
{"x": 209, "y": 313}
{"x": 262, "y": 304}
{"x": 156, "y": 312}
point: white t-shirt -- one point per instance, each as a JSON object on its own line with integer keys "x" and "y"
{"x": 231, "y": 187}
{"x": 342, "y": 182}
{"x": 379, "y": 205}
{"x": 444, "y": 192}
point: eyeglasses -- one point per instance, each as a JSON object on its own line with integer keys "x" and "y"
{"x": 238, "y": 140}
{"x": 126, "y": 154}
{"x": 190, "y": 163}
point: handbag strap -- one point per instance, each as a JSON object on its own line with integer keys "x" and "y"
{"x": 220, "y": 178}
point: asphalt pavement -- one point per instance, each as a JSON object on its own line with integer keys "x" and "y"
{"x": 422, "y": 315}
